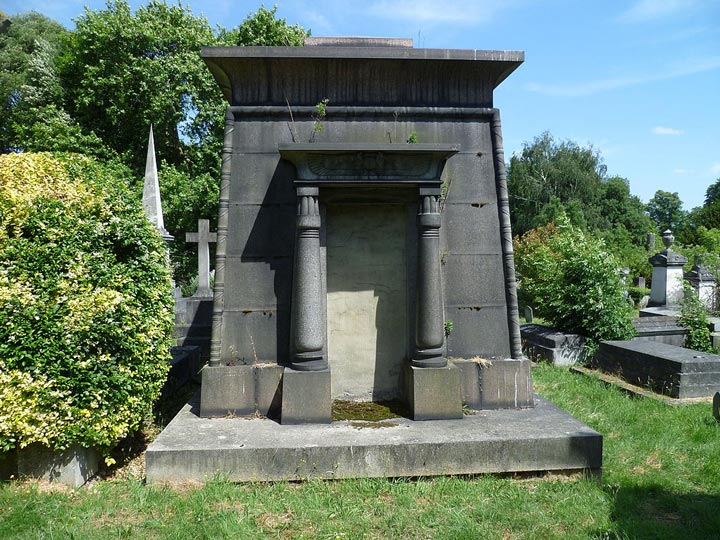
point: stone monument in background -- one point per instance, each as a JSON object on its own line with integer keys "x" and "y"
{"x": 667, "y": 277}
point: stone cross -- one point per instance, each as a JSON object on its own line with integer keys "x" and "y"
{"x": 151, "y": 191}
{"x": 203, "y": 238}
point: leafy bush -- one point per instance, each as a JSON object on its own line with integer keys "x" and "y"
{"x": 85, "y": 304}
{"x": 637, "y": 293}
{"x": 694, "y": 317}
{"x": 572, "y": 282}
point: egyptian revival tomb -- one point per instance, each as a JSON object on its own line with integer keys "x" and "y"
{"x": 364, "y": 249}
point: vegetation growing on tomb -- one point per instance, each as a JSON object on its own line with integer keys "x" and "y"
{"x": 572, "y": 282}
{"x": 368, "y": 411}
{"x": 85, "y": 303}
{"x": 319, "y": 116}
{"x": 694, "y": 317}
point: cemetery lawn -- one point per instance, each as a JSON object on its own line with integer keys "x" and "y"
{"x": 661, "y": 480}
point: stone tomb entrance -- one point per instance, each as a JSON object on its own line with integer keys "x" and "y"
{"x": 381, "y": 200}
{"x": 367, "y": 298}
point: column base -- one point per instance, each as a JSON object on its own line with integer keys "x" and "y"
{"x": 429, "y": 358}
{"x": 306, "y": 397}
{"x": 434, "y": 393}
{"x": 310, "y": 361}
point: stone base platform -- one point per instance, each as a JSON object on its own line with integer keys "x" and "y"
{"x": 543, "y": 438}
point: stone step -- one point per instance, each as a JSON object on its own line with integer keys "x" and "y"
{"x": 543, "y": 438}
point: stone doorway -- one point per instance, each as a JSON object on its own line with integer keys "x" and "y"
{"x": 367, "y": 299}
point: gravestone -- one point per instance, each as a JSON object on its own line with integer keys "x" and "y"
{"x": 334, "y": 257}
{"x": 193, "y": 314}
{"x": 704, "y": 284}
{"x": 203, "y": 238}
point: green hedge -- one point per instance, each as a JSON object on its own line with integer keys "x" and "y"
{"x": 86, "y": 310}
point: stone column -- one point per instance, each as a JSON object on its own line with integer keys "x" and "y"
{"x": 308, "y": 318}
{"x": 429, "y": 330}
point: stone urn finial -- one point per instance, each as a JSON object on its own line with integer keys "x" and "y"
{"x": 668, "y": 238}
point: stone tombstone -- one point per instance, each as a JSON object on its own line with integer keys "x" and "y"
{"x": 703, "y": 281}
{"x": 667, "y": 277}
{"x": 203, "y": 238}
{"x": 344, "y": 254}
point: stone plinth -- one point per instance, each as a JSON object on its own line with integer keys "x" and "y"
{"x": 241, "y": 390}
{"x": 495, "y": 384}
{"x": 306, "y": 397}
{"x": 434, "y": 393}
{"x": 72, "y": 467}
{"x": 543, "y": 438}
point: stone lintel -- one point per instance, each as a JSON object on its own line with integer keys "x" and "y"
{"x": 338, "y": 163}
{"x": 434, "y": 393}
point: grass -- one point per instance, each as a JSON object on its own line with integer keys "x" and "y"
{"x": 661, "y": 480}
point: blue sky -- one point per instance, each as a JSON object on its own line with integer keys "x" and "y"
{"x": 639, "y": 79}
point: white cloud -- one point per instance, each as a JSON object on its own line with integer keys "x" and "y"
{"x": 682, "y": 171}
{"x": 603, "y": 85}
{"x": 660, "y": 130}
{"x": 715, "y": 169}
{"x": 646, "y": 10}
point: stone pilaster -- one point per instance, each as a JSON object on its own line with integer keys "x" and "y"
{"x": 308, "y": 317}
{"x": 429, "y": 330}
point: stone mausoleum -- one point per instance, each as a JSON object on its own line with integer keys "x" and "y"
{"x": 364, "y": 252}
{"x": 345, "y": 253}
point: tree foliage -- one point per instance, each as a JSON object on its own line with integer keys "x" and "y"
{"x": 550, "y": 179}
{"x": 123, "y": 71}
{"x": 29, "y": 44}
{"x": 263, "y": 28}
{"x": 665, "y": 209}
{"x": 85, "y": 302}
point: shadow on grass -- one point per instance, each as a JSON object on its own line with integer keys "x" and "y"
{"x": 134, "y": 445}
{"x": 645, "y": 512}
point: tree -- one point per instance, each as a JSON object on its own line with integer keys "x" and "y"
{"x": 547, "y": 173}
{"x": 29, "y": 44}
{"x": 666, "y": 211}
{"x": 124, "y": 71}
{"x": 262, "y": 28}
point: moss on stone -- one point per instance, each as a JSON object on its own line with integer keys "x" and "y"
{"x": 367, "y": 410}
